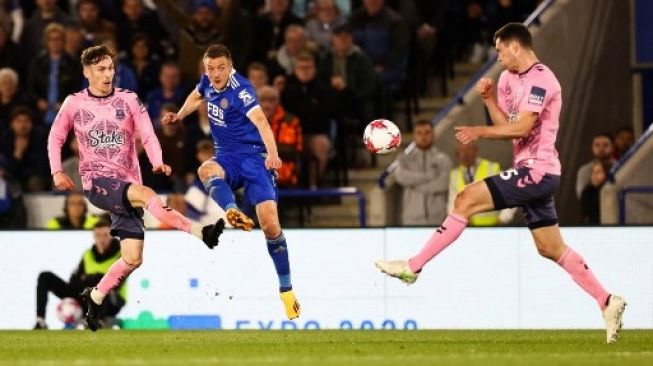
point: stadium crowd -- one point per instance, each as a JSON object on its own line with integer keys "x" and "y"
{"x": 321, "y": 68}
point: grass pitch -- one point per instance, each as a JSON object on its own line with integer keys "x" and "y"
{"x": 451, "y": 347}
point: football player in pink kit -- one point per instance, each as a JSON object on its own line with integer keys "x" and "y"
{"x": 527, "y": 111}
{"x": 106, "y": 122}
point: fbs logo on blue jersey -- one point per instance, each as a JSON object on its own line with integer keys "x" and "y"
{"x": 246, "y": 98}
{"x": 537, "y": 96}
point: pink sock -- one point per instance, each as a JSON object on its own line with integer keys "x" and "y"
{"x": 116, "y": 274}
{"x": 449, "y": 231}
{"x": 575, "y": 265}
{"x": 167, "y": 215}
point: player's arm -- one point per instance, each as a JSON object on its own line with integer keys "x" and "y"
{"x": 150, "y": 143}
{"x": 520, "y": 128}
{"x": 258, "y": 119}
{"x": 56, "y": 139}
{"x": 485, "y": 88}
{"x": 191, "y": 104}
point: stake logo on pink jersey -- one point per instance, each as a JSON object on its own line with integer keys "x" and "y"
{"x": 106, "y": 130}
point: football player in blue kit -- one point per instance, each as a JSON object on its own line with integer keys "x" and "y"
{"x": 245, "y": 156}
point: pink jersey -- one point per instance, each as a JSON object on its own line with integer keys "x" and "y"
{"x": 106, "y": 130}
{"x": 535, "y": 90}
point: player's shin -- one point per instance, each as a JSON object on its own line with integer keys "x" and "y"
{"x": 172, "y": 217}
{"x": 220, "y": 192}
{"x": 112, "y": 279}
{"x": 446, "y": 234}
{"x": 278, "y": 251}
{"x": 575, "y": 265}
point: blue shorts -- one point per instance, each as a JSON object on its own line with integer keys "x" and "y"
{"x": 518, "y": 188}
{"x": 248, "y": 171}
{"x": 111, "y": 195}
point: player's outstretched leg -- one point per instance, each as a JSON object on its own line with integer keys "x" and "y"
{"x": 550, "y": 245}
{"x": 473, "y": 199}
{"x": 142, "y": 196}
{"x": 212, "y": 175}
{"x": 278, "y": 250}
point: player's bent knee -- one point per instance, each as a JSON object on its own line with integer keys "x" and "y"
{"x": 210, "y": 169}
{"x": 546, "y": 252}
{"x": 133, "y": 261}
{"x": 140, "y": 195}
{"x": 463, "y": 202}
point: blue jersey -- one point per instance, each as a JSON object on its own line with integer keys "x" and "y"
{"x": 232, "y": 130}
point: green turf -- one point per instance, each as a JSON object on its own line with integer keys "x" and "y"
{"x": 559, "y": 347}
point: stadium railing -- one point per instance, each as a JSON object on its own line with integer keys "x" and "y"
{"x": 459, "y": 99}
{"x": 330, "y": 192}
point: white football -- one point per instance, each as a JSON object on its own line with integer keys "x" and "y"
{"x": 69, "y": 311}
{"x": 382, "y": 136}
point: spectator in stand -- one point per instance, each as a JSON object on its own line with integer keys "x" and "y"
{"x": 257, "y": 74}
{"x": 70, "y": 166}
{"x": 383, "y": 35}
{"x": 53, "y": 75}
{"x": 287, "y": 132}
{"x": 94, "y": 264}
{"x": 46, "y": 14}
{"x": 10, "y": 96}
{"x": 602, "y": 150}
{"x": 170, "y": 92}
{"x": 590, "y": 197}
{"x": 74, "y": 41}
{"x": 136, "y": 19}
{"x": 501, "y": 12}
{"x": 424, "y": 175}
{"x": 75, "y": 214}
{"x": 24, "y": 146}
{"x": 11, "y": 15}
{"x": 471, "y": 169}
{"x": 173, "y": 140}
{"x": 146, "y": 65}
{"x": 348, "y": 70}
{"x": 11, "y": 55}
{"x": 295, "y": 42}
{"x": 315, "y": 104}
{"x": 320, "y": 28}
{"x": 624, "y": 139}
{"x": 199, "y": 30}
{"x": 270, "y": 29}
{"x": 93, "y": 26}
{"x": 13, "y": 214}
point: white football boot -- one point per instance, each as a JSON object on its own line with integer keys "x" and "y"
{"x": 398, "y": 269}
{"x": 612, "y": 316}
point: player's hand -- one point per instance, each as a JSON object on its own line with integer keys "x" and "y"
{"x": 162, "y": 169}
{"x": 169, "y": 118}
{"x": 485, "y": 87}
{"x": 272, "y": 162}
{"x": 467, "y": 134}
{"x": 63, "y": 182}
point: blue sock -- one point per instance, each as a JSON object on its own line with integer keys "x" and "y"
{"x": 220, "y": 192}
{"x": 278, "y": 251}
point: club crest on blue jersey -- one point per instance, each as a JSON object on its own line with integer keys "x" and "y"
{"x": 224, "y": 103}
{"x": 246, "y": 98}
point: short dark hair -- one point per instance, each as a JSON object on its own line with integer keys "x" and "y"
{"x": 422, "y": 122}
{"x": 343, "y": 29}
{"x": 21, "y": 110}
{"x": 95, "y": 54}
{"x": 102, "y": 223}
{"x": 624, "y": 129}
{"x": 515, "y": 32}
{"x": 305, "y": 56}
{"x": 84, "y": 2}
{"x": 217, "y": 50}
{"x": 257, "y": 66}
{"x": 607, "y": 135}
